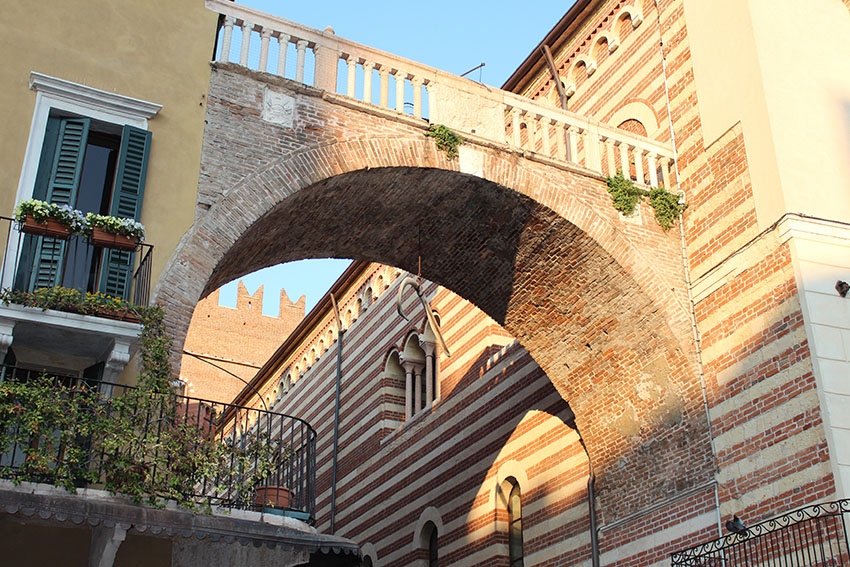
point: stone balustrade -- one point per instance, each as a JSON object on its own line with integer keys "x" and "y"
{"x": 461, "y": 104}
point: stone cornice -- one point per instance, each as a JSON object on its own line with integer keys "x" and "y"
{"x": 81, "y": 94}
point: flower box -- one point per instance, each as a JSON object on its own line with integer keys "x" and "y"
{"x": 50, "y": 227}
{"x": 272, "y": 496}
{"x": 127, "y": 316}
{"x": 100, "y": 237}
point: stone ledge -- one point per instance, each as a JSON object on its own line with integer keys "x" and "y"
{"x": 91, "y": 507}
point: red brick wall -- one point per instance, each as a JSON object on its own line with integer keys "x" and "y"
{"x": 599, "y": 301}
{"x": 239, "y": 340}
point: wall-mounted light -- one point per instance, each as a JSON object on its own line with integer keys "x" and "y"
{"x": 842, "y": 288}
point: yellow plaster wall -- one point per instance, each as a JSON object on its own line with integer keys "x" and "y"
{"x": 781, "y": 68}
{"x": 156, "y": 50}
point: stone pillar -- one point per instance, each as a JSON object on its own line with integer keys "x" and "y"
{"x": 653, "y": 169}
{"x": 573, "y": 145}
{"x": 610, "y": 157}
{"x": 516, "y": 135}
{"x": 283, "y": 47}
{"x": 430, "y": 372}
{"x": 385, "y": 86}
{"x": 265, "y": 36}
{"x": 246, "y": 43}
{"x": 408, "y": 391}
{"x": 327, "y": 61}
{"x": 417, "y": 96}
{"x": 399, "y": 92}
{"x": 624, "y": 160}
{"x": 417, "y": 393}
{"x": 561, "y": 140}
{"x": 301, "y": 46}
{"x": 593, "y": 157}
{"x": 226, "y": 38}
{"x": 639, "y": 165}
{"x": 367, "y": 81}
{"x": 352, "y": 76}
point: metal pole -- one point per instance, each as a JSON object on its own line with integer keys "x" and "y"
{"x": 336, "y": 410}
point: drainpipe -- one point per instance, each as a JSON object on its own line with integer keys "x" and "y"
{"x": 339, "y": 334}
{"x": 687, "y": 271}
{"x": 591, "y": 502}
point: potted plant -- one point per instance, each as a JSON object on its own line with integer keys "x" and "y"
{"x": 49, "y": 219}
{"x": 272, "y": 496}
{"x": 114, "y": 232}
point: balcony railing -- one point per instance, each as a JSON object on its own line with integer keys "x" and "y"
{"x": 382, "y": 79}
{"x": 33, "y": 261}
{"x": 74, "y": 432}
{"x": 812, "y": 536}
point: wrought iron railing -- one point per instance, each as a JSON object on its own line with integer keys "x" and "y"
{"x": 812, "y": 536}
{"x": 154, "y": 445}
{"x": 32, "y": 261}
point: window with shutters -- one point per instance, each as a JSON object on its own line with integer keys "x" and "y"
{"x": 95, "y": 167}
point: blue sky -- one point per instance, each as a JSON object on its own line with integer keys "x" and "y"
{"x": 454, "y": 36}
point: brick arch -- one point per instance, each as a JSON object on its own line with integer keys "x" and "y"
{"x": 538, "y": 253}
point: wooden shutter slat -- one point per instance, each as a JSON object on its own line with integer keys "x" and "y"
{"x": 130, "y": 174}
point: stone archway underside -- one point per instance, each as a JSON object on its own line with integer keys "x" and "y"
{"x": 536, "y": 247}
{"x": 583, "y": 318}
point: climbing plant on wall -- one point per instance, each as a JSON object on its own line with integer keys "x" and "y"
{"x": 625, "y": 197}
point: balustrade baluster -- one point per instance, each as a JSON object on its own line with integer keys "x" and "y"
{"x": 301, "y": 45}
{"x": 417, "y": 96}
{"x": 226, "y": 38}
{"x": 246, "y": 43}
{"x": 515, "y": 126}
{"x": 561, "y": 140}
{"x": 624, "y": 160}
{"x": 611, "y": 156}
{"x": 399, "y": 91}
{"x": 265, "y": 36}
{"x": 384, "y": 72}
{"x": 573, "y": 132}
{"x": 367, "y": 81}
{"x": 283, "y": 47}
{"x": 653, "y": 169}
{"x": 544, "y": 129}
{"x": 638, "y": 153}
{"x": 352, "y": 76}
{"x": 533, "y": 131}
{"x": 667, "y": 173}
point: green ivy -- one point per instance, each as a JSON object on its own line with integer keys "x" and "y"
{"x": 447, "y": 140}
{"x": 666, "y": 206}
{"x": 625, "y": 197}
{"x": 55, "y": 426}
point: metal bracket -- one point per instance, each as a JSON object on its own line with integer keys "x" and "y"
{"x": 429, "y": 314}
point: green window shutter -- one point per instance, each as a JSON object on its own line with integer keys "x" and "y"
{"x": 68, "y": 161}
{"x": 61, "y": 189}
{"x": 117, "y": 269}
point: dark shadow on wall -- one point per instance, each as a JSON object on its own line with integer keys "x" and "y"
{"x": 581, "y": 315}
{"x": 470, "y": 463}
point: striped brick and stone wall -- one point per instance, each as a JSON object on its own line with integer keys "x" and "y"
{"x": 769, "y": 442}
{"x": 498, "y": 419}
